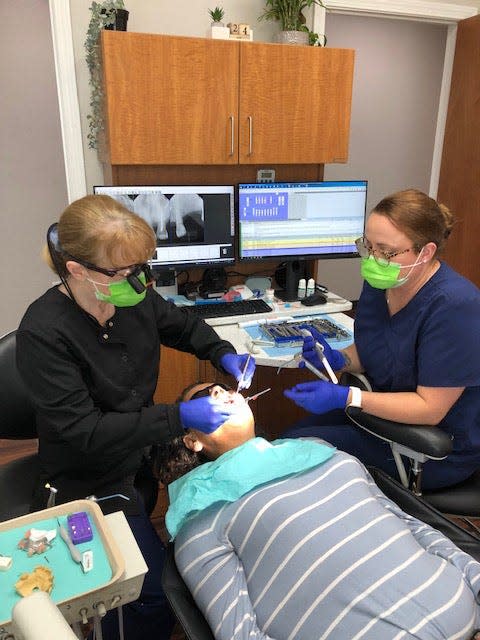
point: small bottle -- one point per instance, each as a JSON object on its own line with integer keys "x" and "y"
{"x": 310, "y": 286}
{"x": 302, "y": 288}
{"x": 269, "y": 295}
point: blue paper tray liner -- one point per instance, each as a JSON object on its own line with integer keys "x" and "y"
{"x": 256, "y": 333}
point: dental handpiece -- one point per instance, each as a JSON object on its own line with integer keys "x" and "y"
{"x": 320, "y": 350}
{"x": 240, "y": 382}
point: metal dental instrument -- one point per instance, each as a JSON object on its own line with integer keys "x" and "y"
{"x": 297, "y": 358}
{"x": 256, "y": 395}
{"x": 115, "y": 495}
{"x": 242, "y": 377}
{"x": 51, "y": 497}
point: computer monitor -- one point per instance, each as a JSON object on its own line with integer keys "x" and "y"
{"x": 291, "y": 221}
{"x": 194, "y": 225}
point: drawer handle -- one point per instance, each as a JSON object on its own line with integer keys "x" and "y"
{"x": 232, "y": 135}
{"x": 250, "y": 135}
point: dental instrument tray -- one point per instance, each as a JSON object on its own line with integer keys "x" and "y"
{"x": 289, "y": 333}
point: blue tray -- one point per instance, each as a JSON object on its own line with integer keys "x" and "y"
{"x": 278, "y": 351}
{"x": 69, "y": 581}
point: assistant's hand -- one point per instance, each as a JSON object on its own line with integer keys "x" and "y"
{"x": 318, "y": 396}
{"x": 204, "y": 414}
{"x": 234, "y": 364}
{"x": 334, "y": 357}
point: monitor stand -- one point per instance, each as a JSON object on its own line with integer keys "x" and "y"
{"x": 165, "y": 282}
{"x": 294, "y": 270}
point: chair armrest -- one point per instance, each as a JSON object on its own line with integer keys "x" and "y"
{"x": 431, "y": 441}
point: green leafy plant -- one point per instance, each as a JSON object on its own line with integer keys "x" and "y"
{"x": 103, "y": 15}
{"x": 289, "y": 13}
{"x": 315, "y": 39}
{"x": 216, "y": 14}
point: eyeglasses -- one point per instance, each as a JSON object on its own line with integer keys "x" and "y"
{"x": 131, "y": 270}
{"x": 365, "y": 250}
{"x": 207, "y": 391}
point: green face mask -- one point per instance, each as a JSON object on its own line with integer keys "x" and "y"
{"x": 385, "y": 276}
{"x": 122, "y": 293}
{"x": 380, "y": 276}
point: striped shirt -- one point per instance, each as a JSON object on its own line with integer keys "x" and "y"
{"x": 325, "y": 554}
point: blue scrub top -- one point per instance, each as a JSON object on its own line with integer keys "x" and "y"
{"x": 434, "y": 341}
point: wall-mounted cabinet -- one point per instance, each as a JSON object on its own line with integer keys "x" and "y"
{"x": 195, "y": 101}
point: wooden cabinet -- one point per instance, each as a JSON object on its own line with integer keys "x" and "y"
{"x": 193, "y": 101}
{"x": 294, "y": 104}
{"x": 459, "y": 182}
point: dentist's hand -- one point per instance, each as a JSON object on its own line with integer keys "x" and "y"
{"x": 334, "y": 357}
{"x": 318, "y": 396}
{"x": 234, "y": 364}
{"x": 205, "y": 414}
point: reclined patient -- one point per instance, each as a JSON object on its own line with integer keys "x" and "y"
{"x": 293, "y": 540}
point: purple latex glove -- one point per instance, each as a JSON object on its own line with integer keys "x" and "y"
{"x": 334, "y": 357}
{"x": 318, "y": 396}
{"x": 234, "y": 364}
{"x": 205, "y": 414}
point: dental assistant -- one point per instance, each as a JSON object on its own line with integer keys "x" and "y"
{"x": 416, "y": 340}
{"x": 88, "y": 352}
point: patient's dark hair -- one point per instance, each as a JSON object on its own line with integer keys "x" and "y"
{"x": 172, "y": 459}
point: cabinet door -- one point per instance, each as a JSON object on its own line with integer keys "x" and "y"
{"x": 459, "y": 182}
{"x": 170, "y": 100}
{"x": 295, "y": 104}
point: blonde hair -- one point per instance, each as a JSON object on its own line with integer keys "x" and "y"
{"x": 97, "y": 228}
{"x": 420, "y": 217}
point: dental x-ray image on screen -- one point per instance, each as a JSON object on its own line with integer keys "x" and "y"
{"x": 194, "y": 225}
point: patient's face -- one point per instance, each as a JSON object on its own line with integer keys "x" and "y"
{"x": 239, "y": 428}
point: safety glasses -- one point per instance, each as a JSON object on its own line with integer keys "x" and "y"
{"x": 207, "y": 391}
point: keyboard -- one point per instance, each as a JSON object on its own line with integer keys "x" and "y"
{"x": 225, "y": 309}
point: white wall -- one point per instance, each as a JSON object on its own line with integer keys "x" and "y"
{"x": 397, "y": 78}
{"x": 32, "y": 175}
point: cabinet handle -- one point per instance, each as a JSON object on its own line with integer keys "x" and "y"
{"x": 250, "y": 135}
{"x": 232, "y": 135}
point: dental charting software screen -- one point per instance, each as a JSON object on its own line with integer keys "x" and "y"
{"x": 301, "y": 219}
{"x": 194, "y": 225}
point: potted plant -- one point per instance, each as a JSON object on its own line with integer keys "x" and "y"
{"x": 289, "y": 14}
{"x": 217, "y": 16}
{"x": 109, "y": 14}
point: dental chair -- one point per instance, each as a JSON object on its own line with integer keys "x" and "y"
{"x": 17, "y": 422}
{"x": 192, "y": 620}
{"x": 419, "y": 443}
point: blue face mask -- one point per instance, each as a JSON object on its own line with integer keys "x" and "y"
{"x": 122, "y": 293}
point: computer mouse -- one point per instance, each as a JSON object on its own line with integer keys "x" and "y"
{"x": 315, "y": 298}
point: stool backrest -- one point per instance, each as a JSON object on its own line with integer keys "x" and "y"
{"x": 17, "y": 417}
